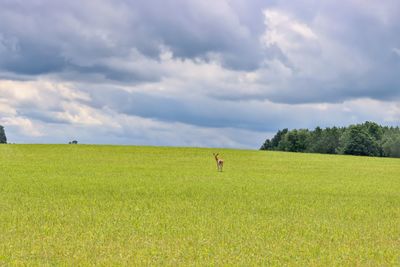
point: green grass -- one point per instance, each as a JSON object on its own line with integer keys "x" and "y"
{"x": 121, "y": 205}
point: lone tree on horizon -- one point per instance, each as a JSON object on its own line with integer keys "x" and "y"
{"x": 3, "y": 138}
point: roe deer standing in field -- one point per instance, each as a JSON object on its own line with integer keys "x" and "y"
{"x": 220, "y": 162}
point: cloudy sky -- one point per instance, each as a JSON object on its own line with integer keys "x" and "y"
{"x": 209, "y": 73}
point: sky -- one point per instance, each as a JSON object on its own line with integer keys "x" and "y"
{"x": 202, "y": 73}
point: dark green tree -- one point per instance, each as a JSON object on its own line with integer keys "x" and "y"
{"x": 3, "y": 138}
{"x": 331, "y": 140}
{"x": 374, "y": 130}
{"x": 391, "y": 145}
{"x": 274, "y": 142}
{"x": 267, "y": 145}
{"x": 278, "y": 137}
{"x": 295, "y": 141}
{"x": 356, "y": 140}
{"x": 316, "y": 141}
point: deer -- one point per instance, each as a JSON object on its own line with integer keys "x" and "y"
{"x": 220, "y": 162}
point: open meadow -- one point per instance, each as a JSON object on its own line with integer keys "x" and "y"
{"x": 126, "y": 205}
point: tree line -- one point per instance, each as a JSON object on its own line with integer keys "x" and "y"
{"x": 366, "y": 139}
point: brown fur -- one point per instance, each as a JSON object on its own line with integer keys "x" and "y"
{"x": 220, "y": 162}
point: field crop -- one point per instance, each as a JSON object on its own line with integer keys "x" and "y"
{"x": 124, "y": 205}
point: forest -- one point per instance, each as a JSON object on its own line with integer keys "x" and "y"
{"x": 366, "y": 139}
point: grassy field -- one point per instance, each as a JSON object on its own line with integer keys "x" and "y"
{"x": 121, "y": 205}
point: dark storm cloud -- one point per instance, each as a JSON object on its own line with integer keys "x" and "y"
{"x": 171, "y": 109}
{"x": 54, "y": 36}
{"x": 39, "y": 37}
{"x": 195, "y": 28}
{"x": 122, "y": 76}
{"x": 365, "y": 34}
{"x": 33, "y": 59}
{"x": 204, "y": 112}
{"x": 48, "y": 35}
